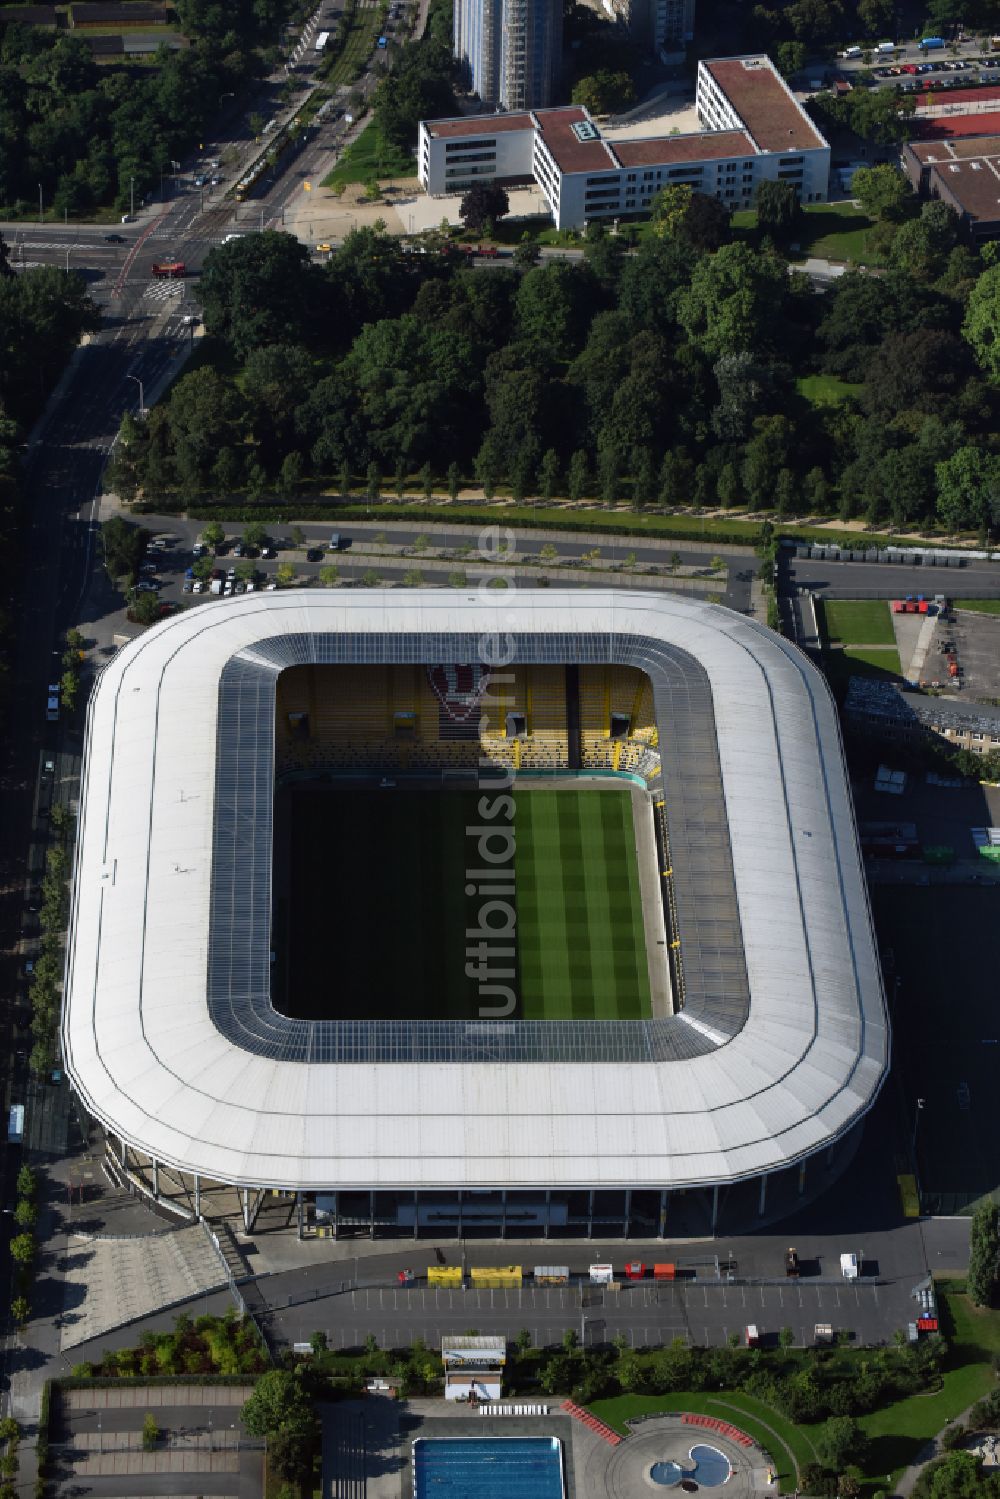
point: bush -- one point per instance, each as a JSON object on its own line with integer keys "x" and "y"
{"x": 951, "y": 1437}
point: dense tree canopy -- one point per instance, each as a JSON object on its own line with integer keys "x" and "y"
{"x": 666, "y": 373}
{"x": 87, "y": 134}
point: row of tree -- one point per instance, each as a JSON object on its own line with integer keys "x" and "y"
{"x": 670, "y": 373}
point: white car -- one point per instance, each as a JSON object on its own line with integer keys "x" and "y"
{"x": 199, "y": 586}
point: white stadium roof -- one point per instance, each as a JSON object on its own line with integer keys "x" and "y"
{"x": 168, "y": 1033}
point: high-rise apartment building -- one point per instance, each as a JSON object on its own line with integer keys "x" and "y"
{"x": 511, "y": 50}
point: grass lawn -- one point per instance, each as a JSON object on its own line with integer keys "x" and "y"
{"x": 829, "y": 231}
{"x": 979, "y": 606}
{"x": 899, "y": 1431}
{"x": 826, "y": 390}
{"x": 856, "y": 622}
{"x": 785, "y": 1444}
{"x": 371, "y": 156}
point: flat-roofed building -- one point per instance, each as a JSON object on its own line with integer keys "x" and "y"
{"x": 963, "y": 172}
{"x": 754, "y": 131}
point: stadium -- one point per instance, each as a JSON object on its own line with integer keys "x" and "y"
{"x": 468, "y": 913}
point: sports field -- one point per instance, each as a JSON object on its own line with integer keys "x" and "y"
{"x": 378, "y": 909}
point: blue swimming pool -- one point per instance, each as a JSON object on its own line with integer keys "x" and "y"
{"x": 487, "y": 1468}
{"x": 709, "y": 1468}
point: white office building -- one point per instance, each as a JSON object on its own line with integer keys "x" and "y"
{"x": 754, "y": 130}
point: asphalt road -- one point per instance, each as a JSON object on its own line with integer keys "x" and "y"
{"x": 871, "y": 580}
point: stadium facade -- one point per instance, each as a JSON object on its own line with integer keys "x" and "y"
{"x": 778, "y": 1041}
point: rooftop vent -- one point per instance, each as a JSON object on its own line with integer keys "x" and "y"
{"x": 586, "y": 130}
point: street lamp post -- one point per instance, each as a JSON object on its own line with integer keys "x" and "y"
{"x": 40, "y": 210}
{"x": 68, "y": 248}
{"x": 916, "y": 1120}
{"x": 131, "y": 194}
{"x": 142, "y": 398}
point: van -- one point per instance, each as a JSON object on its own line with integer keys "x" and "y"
{"x": 851, "y": 52}
{"x": 886, "y": 48}
{"x": 215, "y": 586}
{"x": 52, "y": 709}
{"x": 335, "y": 542}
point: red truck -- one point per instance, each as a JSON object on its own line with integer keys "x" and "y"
{"x": 169, "y": 268}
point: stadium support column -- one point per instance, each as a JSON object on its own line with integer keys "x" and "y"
{"x": 548, "y": 1212}
{"x": 590, "y": 1214}
{"x": 371, "y": 1214}
{"x": 664, "y": 1202}
{"x": 802, "y": 1177}
{"x": 299, "y": 1234}
{"x": 197, "y": 1196}
{"x": 762, "y": 1199}
{"x": 715, "y": 1207}
{"x": 156, "y": 1179}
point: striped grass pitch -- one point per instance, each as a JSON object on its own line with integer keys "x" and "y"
{"x": 580, "y": 936}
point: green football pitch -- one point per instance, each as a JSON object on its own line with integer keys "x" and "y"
{"x": 379, "y": 911}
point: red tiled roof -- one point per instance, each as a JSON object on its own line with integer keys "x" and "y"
{"x": 568, "y": 152}
{"x": 764, "y": 105}
{"x": 477, "y": 125}
{"x": 711, "y": 145}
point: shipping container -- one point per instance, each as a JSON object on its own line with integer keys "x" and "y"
{"x": 491, "y": 1277}
{"x": 444, "y": 1275}
{"x": 665, "y": 1272}
{"x": 550, "y": 1275}
{"x": 635, "y": 1270}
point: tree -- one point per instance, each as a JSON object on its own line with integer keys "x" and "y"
{"x": 25, "y": 1213}
{"x": 676, "y": 478}
{"x": 691, "y": 218}
{"x": 284, "y": 574}
{"x": 124, "y": 547}
{"x": 643, "y": 478}
{"x": 263, "y": 289}
{"x": 290, "y": 474}
{"x": 329, "y": 575}
{"x": 728, "y": 485}
{"x": 841, "y": 1441}
{"x": 290, "y": 1456}
{"x": 526, "y": 254}
{"x": 373, "y": 484}
{"x": 984, "y": 1254}
{"x": 578, "y": 477}
{"x": 735, "y": 301}
{"x": 213, "y": 535}
{"x": 20, "y": 1311}
{"x": 882, "y": 191}
{"x": 778, "y": 208}
{"x": 604, "y": 92}
{"x": 982, "y": 321}
{"x": 484, "y": 203}
{"x": 22, "y": 1248}
{"x": 254, "y": 535}
{"x": 279, "y": 1403}
{"x": 454, "y": 478}
{"x": 150, "y": 1432}
{"x": 968, "y": 489}
{"x": 144, "y": 608}
{"x": 27, "y": 1182}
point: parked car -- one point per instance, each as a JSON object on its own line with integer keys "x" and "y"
{"x": 114, "y": 239}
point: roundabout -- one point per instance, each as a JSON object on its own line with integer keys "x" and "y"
{"x": 675, "y": 1455}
